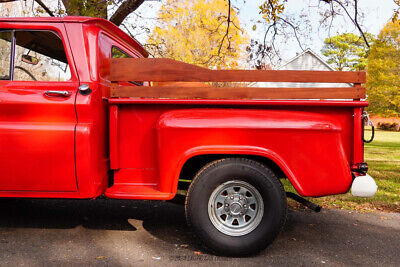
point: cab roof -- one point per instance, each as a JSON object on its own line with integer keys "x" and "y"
{"x": 102, "y": 23}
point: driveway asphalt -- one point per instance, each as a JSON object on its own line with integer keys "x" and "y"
{"x": 126, "y": 232}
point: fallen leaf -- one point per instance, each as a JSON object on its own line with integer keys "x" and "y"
{"x": 100, "y": 257}
{"x": 197, "y": 252}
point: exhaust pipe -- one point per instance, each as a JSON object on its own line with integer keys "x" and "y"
{"x": 304, "y": 201}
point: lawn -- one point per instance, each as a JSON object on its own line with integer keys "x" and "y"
{"x": 383, "y": 157}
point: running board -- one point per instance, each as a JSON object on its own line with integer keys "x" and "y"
{"x": 137, "y": 191}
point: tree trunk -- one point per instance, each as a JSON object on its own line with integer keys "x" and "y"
{"x": 99, "y": 9}
{"x": 124, "y": 10}
{"x": 86, "y": 8}
{"x": 68, "y": 8}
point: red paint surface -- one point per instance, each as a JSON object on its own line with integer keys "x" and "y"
{"x": 66, "y": 148}
{"x": 312, "y": 145}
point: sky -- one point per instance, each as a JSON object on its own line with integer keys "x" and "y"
{"x": 376, "y": 15}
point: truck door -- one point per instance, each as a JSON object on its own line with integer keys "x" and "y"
{"x": 38, "y": 87}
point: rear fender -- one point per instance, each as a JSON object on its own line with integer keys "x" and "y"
{"x": 306, "y": 146}
{"x": 243, "y": 151}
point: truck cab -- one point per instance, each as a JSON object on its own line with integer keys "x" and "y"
{"x": 54, "y": 140}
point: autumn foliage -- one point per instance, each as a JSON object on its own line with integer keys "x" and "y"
{"x": 198, "y": 32}
{"x": 383, "y": 72}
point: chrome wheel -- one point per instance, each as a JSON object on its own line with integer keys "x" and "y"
{"x": 235, "y": 208}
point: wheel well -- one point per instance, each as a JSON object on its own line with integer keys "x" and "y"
{"x": 194, "y": 164}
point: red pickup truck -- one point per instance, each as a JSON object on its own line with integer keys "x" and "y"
{"x": 81, "y": 115}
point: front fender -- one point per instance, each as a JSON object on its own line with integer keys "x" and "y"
{"x": 306, "y": 146}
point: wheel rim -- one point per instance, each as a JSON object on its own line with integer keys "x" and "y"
{"x": 235, "y": 208}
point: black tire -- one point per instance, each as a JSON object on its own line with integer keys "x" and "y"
{"x": 263, "y": 179}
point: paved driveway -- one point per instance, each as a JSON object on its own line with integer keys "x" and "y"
{"x": 121, "y": 232}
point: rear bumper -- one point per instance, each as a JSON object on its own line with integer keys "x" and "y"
{"x": 364, "y": 186}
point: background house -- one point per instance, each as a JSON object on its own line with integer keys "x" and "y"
{"x": 307, "y": 60}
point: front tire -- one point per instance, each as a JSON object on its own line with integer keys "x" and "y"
{"x": 236, "y": 206}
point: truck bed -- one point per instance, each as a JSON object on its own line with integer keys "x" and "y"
{"x": 156, "y": 130}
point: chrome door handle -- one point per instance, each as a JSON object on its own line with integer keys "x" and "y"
{"x": 55, "y": 93}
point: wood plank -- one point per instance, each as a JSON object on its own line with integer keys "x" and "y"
{"x": 357, "y": 85}
{"x": 169, "y": 70}
{"x": 180, "y": 84}
{"x": 237, "y": 92}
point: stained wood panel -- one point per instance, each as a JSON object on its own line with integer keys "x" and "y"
{"x": 169, "y": 70}
{"x": 238, "y": 92}
{"x": 178, "y": 80}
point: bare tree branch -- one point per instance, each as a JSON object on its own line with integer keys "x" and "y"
{"x": 396, "y": 12}
{"x": 227, "y": 29}
{"x": 354, "y": 19}
{"x": 124, "y": 10}
{"x": 37, "y": 1}
{"x": 45, "y": 7}
{"x": 294, "y": 31}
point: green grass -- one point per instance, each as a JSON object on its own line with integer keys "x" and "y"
{"x": 383, "y": 158}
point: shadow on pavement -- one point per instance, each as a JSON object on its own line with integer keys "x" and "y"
{"x": 335, "y": 237}
{"x": 164, "y": 220}
{"x": 106, "y": 214}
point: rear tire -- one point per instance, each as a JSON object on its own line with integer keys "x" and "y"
{"x": 236, "y": 206}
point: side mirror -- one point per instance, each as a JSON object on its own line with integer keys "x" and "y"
{"x": 30, "y": 59}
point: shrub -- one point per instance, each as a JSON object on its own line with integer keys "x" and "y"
{"x": 389, "y": 126}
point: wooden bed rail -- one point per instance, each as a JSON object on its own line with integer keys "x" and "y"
{"x": 188, "y": 81}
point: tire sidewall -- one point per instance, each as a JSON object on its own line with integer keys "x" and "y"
{"x": 265, "y": 183}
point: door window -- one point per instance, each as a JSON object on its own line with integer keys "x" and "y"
{"x": 38, "y": 56}
{"x": 5, "y": 55}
